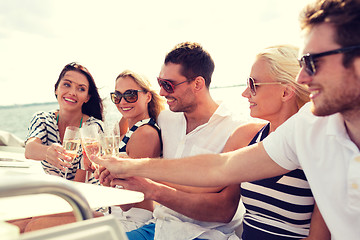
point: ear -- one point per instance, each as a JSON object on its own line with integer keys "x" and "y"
{"x": 88, "y": 98}
{"x": 199, "y": 83}
{"x": 148, "y": 97}
{"x": 288, "y": 93}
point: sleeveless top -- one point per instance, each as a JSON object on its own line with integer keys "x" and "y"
{"x": 149, "y": 121}
{"x": 278, "y": 207}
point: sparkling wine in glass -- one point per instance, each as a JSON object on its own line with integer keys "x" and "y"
{"x": 71, "y": 143}
{"x": 90, "y": 140}
{"x": 117, "y": 139}
{"x": 108, "y": 144}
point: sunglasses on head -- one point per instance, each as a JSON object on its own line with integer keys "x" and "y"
{"x": 308, "y": 60}
{"x": 130, "y": 96}
{"x": 251, "y": 84}
{"x": 168, "y": 86}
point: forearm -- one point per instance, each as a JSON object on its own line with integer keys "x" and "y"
{"x": 206, "y": 172}
{"x": 211, "y": 170}
{"x": 35, "y": 150}
{"x": 210, "y": 207}
{"x": 190, "y": 189}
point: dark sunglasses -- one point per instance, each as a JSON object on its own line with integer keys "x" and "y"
{"x": 251, "y": 84}
{"x": 168, "y": 86}
{"x": 308, "y": 60}
{"x": 130, "y": 96}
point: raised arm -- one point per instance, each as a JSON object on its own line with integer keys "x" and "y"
{"x": 246, "y": 164}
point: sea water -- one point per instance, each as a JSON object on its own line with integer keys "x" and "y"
{"x": 16, "y": 119}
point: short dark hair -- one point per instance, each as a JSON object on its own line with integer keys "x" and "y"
{"x": 344, "y": 15}
{"x": 194, "y": 60}
{"x": 94, "y": 106}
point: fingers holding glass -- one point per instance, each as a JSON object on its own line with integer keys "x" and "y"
{"x": 71, "y": 143}
{"x": 56, "y": 156}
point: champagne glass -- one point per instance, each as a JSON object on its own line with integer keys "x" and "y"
{"x": 111, "y": 138}
{"x": 117, "y": 139}
{"x": 71, "y": 143}
{"x": 107, "y": 144}
{"x": 90, "y": 140}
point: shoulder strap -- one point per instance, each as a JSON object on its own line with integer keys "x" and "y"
{"x": 263, "y": 133}
{"x": 149, "y": 121}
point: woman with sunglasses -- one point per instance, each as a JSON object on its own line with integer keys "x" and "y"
{"x": 139, "y": 106}
{"x": 79, "y": 104}
{"x": 281, "y": 207}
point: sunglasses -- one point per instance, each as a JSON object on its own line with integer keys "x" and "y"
{"x": 168, "y": 86}
{"x": 308, "y": 60}
{"x": 130, "y": 96}
{"x": 251, "y": 84}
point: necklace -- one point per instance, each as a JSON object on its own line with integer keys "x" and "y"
{"x": 57, "y": 120}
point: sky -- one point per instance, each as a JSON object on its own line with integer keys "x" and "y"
{"x": 39, "y": 37}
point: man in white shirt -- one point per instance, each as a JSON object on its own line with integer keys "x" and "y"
{"x": 323, "y": 138}
{"x": 195, "y": 124}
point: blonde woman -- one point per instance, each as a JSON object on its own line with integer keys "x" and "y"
{"x": 139, "y": 106}
{"x": 281, "y": 207}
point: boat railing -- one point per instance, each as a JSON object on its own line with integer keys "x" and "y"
{"x": 106, "y": 227}
{"x": 15, "y": 186}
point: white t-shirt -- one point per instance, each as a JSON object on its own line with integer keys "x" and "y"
{"x": 207, "y": 138}
{"x": 331, "y": 162}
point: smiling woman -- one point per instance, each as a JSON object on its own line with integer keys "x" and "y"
{"x": 79, "y": 104}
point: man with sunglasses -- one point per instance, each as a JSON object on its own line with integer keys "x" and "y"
{"x": 194, "y": 124}
{"x": 323, "y": 137}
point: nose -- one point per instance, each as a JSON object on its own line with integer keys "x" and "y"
{"x": 163, "y": 92}
{"x": 246, "y": 93}
{"x": 303, "y": 77}
{"x": 73, "y": 91}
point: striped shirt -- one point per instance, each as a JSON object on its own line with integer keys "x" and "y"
{"x": 126, "y": 138}
{"x": 278, "y": 207}
{"x": 44, "y": 127}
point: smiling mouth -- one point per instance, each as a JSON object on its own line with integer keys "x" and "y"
{"x": 170, "y": 100}
{"x": 126, "y": 108}
{"x": 314, "y": 93}
{"x": 70, "y": 100}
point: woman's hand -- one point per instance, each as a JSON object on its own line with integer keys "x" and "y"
{"x": 56, "y": 156}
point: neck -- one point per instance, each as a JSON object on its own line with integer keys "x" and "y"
{"x": 201, "y": 115}
{"x": 133, "y": 120}
{"x": 69, "y": 119}
{"x": 352, "y": 123}
{"x": 284, "y": 114}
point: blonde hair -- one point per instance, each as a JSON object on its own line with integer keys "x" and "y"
{"x": 284, "y": 66}
{"x": 157, "y": 103}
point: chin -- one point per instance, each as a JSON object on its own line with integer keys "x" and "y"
{"x": 322, "y": 111}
